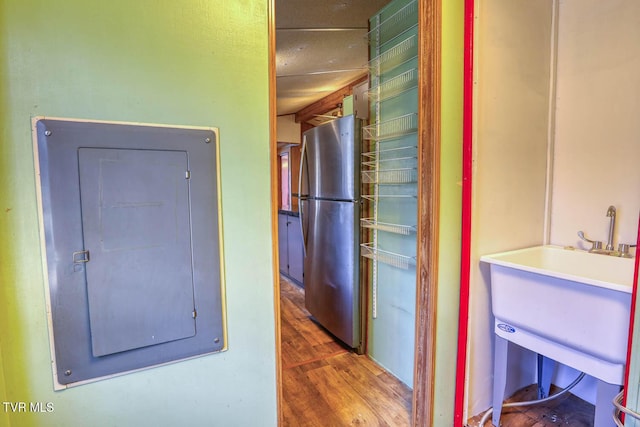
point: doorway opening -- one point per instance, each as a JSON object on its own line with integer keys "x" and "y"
{"x": 428, "y": 167}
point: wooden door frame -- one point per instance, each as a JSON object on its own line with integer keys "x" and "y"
{"x": 273, "y": 160}
{"x": 429, "y": 119}
{"x": 429, "y": 127}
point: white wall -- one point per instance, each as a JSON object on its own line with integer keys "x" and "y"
{"x": 595, "y": 143}
{"x": 287, "y": 130}
{"x": 512, "y": 81}
{"x": 597, "y": 133}
{"x": 597, "y": 140}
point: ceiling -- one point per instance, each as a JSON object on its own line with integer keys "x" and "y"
{"x": 321, "y": 46}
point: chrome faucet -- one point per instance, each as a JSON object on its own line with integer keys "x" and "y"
{"x": 596, "y": 246}
{"x": 611, "y": 213}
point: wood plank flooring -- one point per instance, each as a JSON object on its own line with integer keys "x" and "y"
{"x": 326, "y": 384}
{"x": 568, "y": 411}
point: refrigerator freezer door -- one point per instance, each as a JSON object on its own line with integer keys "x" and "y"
{"x": 329, "y": 161}
{"x": 331, "y": 269}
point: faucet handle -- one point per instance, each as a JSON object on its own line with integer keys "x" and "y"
{"x": 595, "y": 244}
{"x": 623, "y": 249}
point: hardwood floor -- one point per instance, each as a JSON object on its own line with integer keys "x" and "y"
{"x": 326, "y": 384}
{"x": 567, "y": 411}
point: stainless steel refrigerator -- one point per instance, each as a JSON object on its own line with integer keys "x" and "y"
{"x": 330, "y": 211}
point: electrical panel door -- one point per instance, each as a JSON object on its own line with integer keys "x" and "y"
{"x": 135, "y": 218}
{"x": 131, "y": 227}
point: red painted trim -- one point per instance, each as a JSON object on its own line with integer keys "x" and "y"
{"x": 633, "y": 310}
{"x": 465, "y": 264}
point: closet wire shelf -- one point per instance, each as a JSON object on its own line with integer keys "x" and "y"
{"x": 375, "y": 197}
{"x": 393, "y": 128}
{"x": 387, "y": 154}
{"x": 367, "y": 250}
{"x": 373, "y": 163}
{"x": 396, "y": 55}
{"x": 388, "y": 227}
{"x": 395, "y": 24}
{"x": 390, "y": 176}
{"x": 394, "y": 86}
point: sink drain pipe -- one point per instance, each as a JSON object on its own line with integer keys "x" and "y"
{"x": 487, "y": 414}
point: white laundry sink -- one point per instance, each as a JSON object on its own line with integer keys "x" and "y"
{"x": 570, "y": 305}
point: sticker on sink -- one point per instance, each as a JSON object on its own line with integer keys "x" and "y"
{"x": 507, "y": 328}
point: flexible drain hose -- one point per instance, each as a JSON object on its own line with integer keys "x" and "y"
{"x": 532, "y": 402}
{"x": 617, "y": 402}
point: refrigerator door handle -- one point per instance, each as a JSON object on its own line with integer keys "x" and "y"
{"x": 303, "y": 153}
{"x": 302, "y": 217}
{"x": 302, "y": 197}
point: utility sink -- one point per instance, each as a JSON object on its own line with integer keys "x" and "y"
{"x": 569, "y": 305}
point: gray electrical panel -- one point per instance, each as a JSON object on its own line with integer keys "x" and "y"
{"x": 133, "y": 242}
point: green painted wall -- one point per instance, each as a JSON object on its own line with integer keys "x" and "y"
{"x": 450, "y": 210}
{"x": 187, "y": 62}
{"x": 4, "y": 417}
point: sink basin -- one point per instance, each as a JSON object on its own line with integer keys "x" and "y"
{"x": 569, "y": 305}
